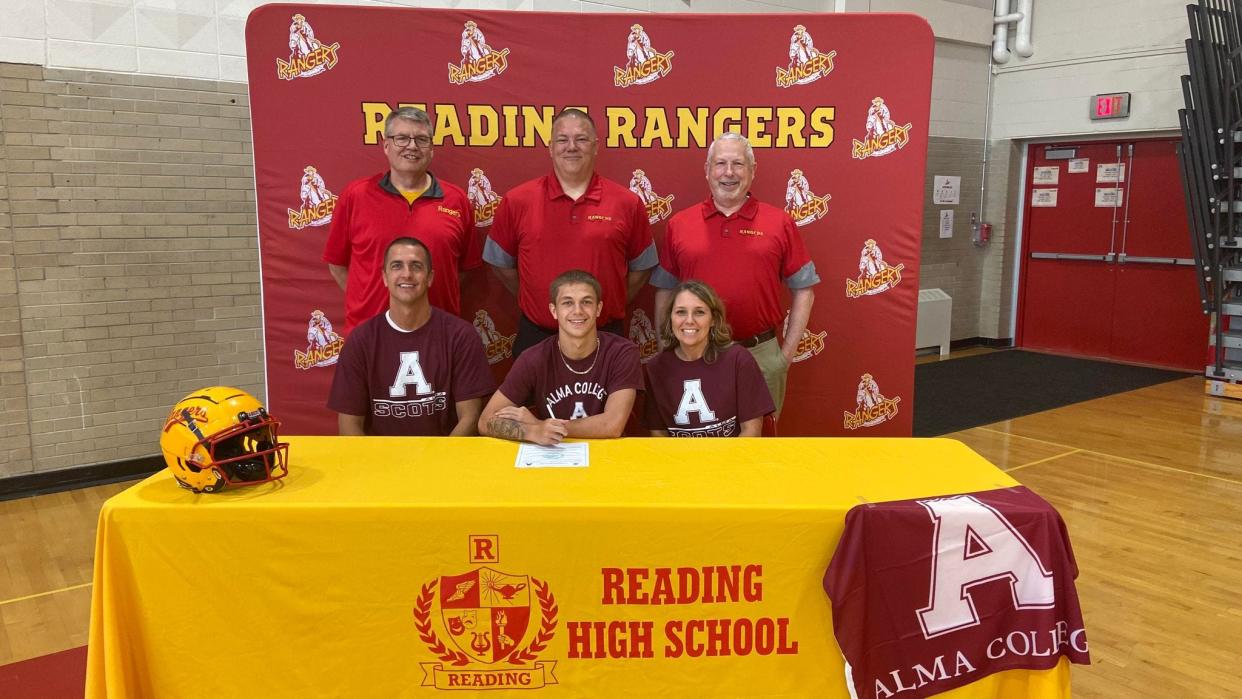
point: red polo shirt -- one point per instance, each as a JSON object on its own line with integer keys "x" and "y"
{"x": 605, "y": 232}
{"x": 371, "y": 212}
{"x": 744, "y": 257}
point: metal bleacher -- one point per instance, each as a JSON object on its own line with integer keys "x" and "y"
{"x": 1211, "y": 161}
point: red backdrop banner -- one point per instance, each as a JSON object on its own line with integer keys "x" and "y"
{"x": 835, "y": 105}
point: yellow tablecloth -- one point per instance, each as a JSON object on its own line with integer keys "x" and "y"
{"x": 377, "y": 568}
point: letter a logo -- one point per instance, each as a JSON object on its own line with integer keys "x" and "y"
{"x": 692, "y": 401}
{"x": 972, "y": 544}
{"x": 410, "y": 372}
{"x": 579, "y": 411}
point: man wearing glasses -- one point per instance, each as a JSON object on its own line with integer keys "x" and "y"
{"x": 570, "y": 219}
{"x": 408, "y": 200}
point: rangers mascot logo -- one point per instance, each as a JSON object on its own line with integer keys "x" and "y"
{"x": 806, "y": 64}
{"x": 883, "y": 135}
{"x": 874, "y": 274}
{"x": 478, "y": 60}
{"x": 643, "y": 334}
{"x": 307, "y": 55}
{"x": 658, "y": 207}
{"x": 810, "y": 345}
{"x": 317, "y": 202}
{"x": 323, "y": 345}
{"x": 871, "y": 408}
{"x": 643, "y": 64}
{"x": 497, "y": 347}
{"x": 482, "y": 199}
{"x": 496, "y": 625}
{"x": 801, "y": 203}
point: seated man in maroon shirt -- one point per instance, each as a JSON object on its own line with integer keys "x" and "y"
{"x": 578, "y": 383}
{"x": 413, "y": 370}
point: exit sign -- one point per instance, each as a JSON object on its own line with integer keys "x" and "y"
{"x": 1115, "y": 105}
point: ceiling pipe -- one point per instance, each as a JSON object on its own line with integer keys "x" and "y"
{"x": 1000, "y": 33}
{"x": 1022, "y": 40}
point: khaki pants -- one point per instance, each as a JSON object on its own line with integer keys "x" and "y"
{"x": 775, "y": 369}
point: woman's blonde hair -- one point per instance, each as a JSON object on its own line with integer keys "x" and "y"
{"x": 720, "y": 336}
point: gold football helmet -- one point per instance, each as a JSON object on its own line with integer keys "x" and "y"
{"x": 222, "y": 436}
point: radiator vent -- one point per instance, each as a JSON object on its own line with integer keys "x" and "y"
{"x": 935, "y": 316}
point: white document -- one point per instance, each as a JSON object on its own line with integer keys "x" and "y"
{"x": 946, "y": 189}
{"x": 1049, "y": 174}
{"x": 570, "y": 455}
{"x": 1044, "y": 197}
{"x": 1110, "y": 172}
{"x": 946, "y": 223}
{"x": 1080, "y": 165}
{"x": 1108, "y": 197}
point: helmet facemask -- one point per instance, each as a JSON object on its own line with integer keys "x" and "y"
{"x": 249, "y": 452}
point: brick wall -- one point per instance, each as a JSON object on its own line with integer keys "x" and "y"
{"x": 954, "y": 264}
{"x": 15, "y": 454}
{"x": 128, "y": 261}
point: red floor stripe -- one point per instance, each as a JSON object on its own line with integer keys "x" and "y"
{"x": 55, "y": 676}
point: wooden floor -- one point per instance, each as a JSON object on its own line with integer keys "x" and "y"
{"x": 1149, "y": 482}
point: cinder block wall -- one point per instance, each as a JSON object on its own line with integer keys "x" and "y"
{"x": 128, "y": 260}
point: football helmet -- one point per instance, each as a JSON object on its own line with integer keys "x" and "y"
{"x": 222, "y": 436}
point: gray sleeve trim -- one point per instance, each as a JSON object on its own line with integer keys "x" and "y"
{"x": 804, "y": 277}
{"x": 496, "y": 256}
{"x": 646, "y": 259}
{"x": 661, "y": 279}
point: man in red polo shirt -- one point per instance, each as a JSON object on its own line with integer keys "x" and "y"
{"x": 570, "y": 219}
{"x": 746, "y": 250}
{"x": 406, "y": 200}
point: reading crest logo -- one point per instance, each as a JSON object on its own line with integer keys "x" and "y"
{"x": 496, "y": 624}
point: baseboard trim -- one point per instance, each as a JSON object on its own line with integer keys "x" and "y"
{"x": 30, "y": 484}
{"x": 965, "y": 342}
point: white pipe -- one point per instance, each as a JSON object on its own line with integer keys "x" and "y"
{"x": 1011, "y": 17}
{"x": 1000, "y": 33}
{"x": 1022, "y": 41}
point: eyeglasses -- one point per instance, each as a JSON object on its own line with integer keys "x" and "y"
{"x": 402, "y": 141}
{"x": 580, "y": 141}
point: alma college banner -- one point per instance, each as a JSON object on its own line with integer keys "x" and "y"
{"x": 933, "y": 594}
{"x": 835, "y": 105}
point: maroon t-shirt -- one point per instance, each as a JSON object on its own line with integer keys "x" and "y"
{"x": 540, "y": 381}
{"x": 697, "y": 399}
{"x": 408, "y": 383}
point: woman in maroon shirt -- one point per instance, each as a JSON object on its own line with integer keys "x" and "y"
{"x": 702, "y": 384}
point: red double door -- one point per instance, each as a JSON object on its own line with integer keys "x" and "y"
{"x": 1107, "y": 268}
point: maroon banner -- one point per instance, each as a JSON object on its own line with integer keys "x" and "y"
{"x": 835, "y": 105}
{"x": 929, "y": 595}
